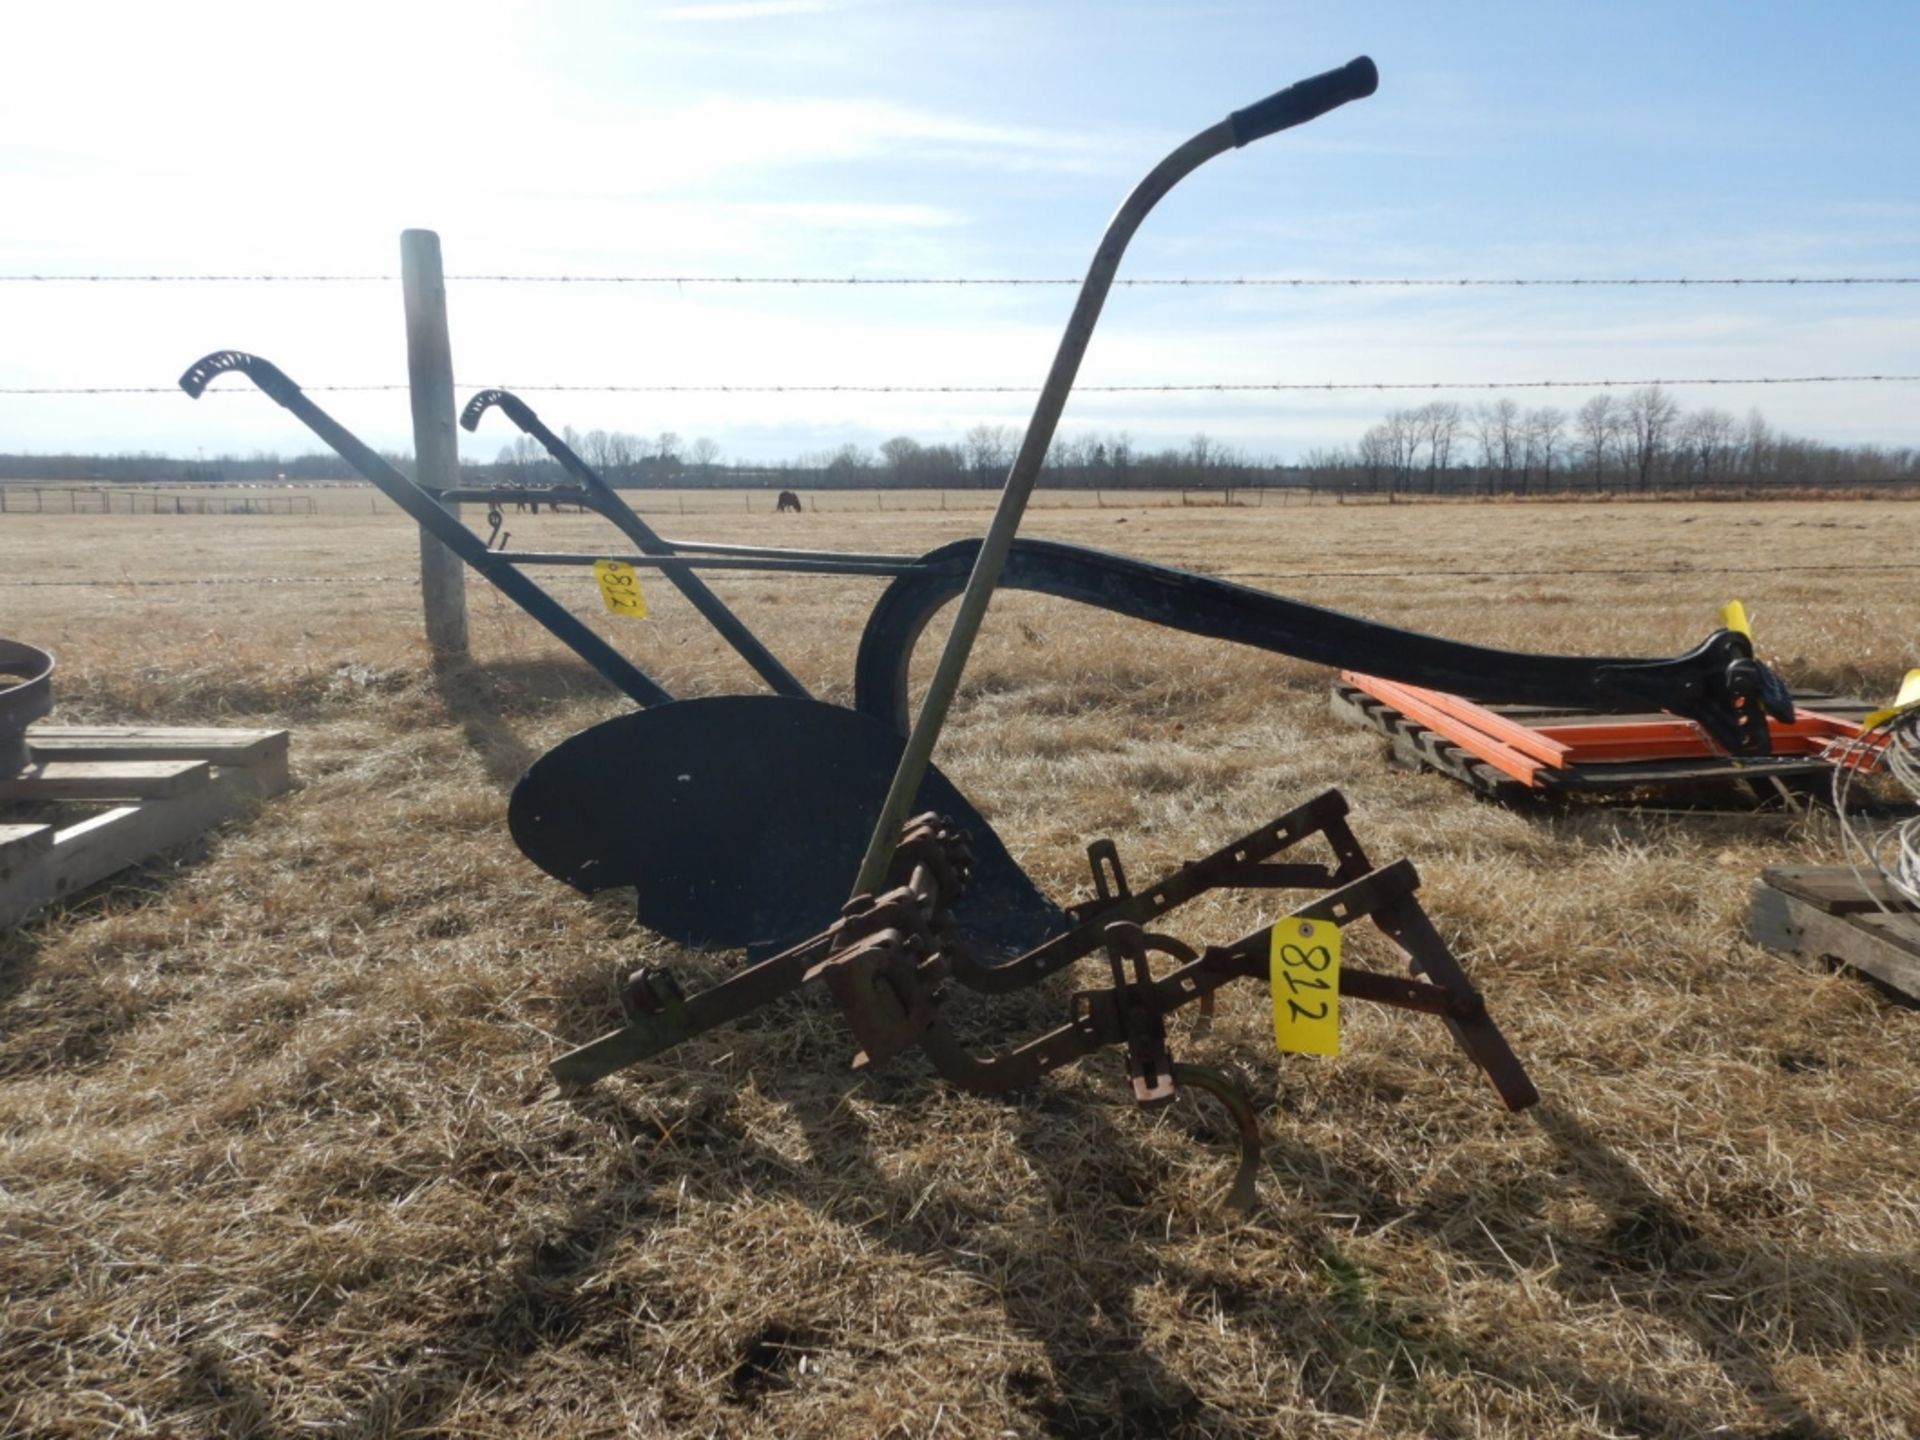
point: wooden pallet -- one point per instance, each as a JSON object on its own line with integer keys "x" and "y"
{"x": 1832, "y": 916}
{"x": 97, "y": 799}
{"x": 1512, "y": 752}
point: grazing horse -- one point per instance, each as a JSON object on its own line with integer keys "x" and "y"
{"x": 787, "y": 501}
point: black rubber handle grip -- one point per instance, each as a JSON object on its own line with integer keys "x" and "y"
{"x": 1304, "y": 101}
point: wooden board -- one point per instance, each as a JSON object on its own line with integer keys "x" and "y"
{"x": 106, "y": 780}
{"x": 26, "y": 877}
{"x": 1826, "y": 916}
{"x": 148, "y": 742}
{"x": 177, "y": 784}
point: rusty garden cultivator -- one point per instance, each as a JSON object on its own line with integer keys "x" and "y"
{"x": 742, "y": 821}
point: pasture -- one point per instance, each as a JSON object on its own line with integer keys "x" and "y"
{"x": 278, "y": 1153}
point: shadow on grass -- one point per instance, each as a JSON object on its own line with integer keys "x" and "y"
{"x": 19, "y": 958}
{"x": 91, "y": 1013}
{"x": 474, "y": 699}
{"x": 524, "y": 689}
{"x": 1355, "y": 1342}
{"x": 1650, "y": 1256}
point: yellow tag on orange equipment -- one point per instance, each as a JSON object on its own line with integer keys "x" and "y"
{"x": 1305, "y": 972}
{"x": 620, "y": 587}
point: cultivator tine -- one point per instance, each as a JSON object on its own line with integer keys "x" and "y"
{"x": 1409, "y": 927}
{"x": 1149, "y": 1064}
{"x": 1246, "y": 1124}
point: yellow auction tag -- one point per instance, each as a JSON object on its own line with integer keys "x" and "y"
{"x": 1305, "y": 971}
{"x": 1908, "y": 697}
{"x": 620, "y": 587}
{"x": 1733, "y": 616}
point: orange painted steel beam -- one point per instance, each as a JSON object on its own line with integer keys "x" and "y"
{"x": 1412, "y": 702}
{"x": 1523, "y": 751}
{"x": 1465, "y": 713}
{"x": 1524, "y": 738}
{"x": 1603, "y": 742}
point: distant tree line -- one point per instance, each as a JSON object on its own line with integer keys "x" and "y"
{"x": 151, "y": 468}
{"x": 1638, "y": 442}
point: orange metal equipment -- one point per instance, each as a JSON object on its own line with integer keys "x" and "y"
{"x": 1509, "y": 747}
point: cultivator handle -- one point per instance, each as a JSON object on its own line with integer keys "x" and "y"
{"x": 1290, "y": 107}
{"x": 1304, "y": 100}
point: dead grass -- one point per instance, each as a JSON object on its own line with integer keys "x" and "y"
{"x": 277, "y": 1154}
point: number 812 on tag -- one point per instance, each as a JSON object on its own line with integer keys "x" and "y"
{"x": 620, "y": 588}
{"x": 1304, "y": 969}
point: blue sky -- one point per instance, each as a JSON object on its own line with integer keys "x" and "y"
{"x": 773, "y": 138}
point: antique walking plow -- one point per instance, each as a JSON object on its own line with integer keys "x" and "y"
{"x": 740, "y": 821}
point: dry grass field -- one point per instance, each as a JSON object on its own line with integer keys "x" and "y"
{"x": 278, "y": 1155}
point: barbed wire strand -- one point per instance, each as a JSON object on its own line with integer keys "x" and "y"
{"x": 1243, "y": 281}
{"x": 1206, "y": 388}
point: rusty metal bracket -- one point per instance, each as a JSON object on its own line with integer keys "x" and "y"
{"x": 1240, "y": 864}
{"x": 877, "y": 983}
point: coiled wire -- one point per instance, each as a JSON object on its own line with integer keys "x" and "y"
{"x": 1891, "y": 747}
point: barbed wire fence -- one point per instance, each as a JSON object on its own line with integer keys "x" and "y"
{"x": 84, "y": 499}
{"x": 685, "y": 280}
{"x": 1751, "y": 282}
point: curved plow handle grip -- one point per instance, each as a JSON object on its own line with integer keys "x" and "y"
{"x": 515, "y": 409}
{"x": 264, "y": 373}
{"x": 609, "y": 503}
{"x": 1304, "y": 100}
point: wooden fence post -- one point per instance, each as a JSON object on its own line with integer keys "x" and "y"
{"x": 436, "y": 452}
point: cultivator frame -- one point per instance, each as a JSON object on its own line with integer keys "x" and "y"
{"x": 887, "y": 963}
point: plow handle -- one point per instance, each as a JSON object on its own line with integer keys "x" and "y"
{"x": 1304, "y": 100}
{"x": 428, "y": 514}
{"x": 611, "y": 505}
